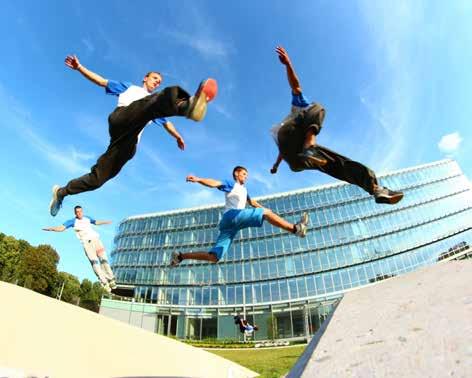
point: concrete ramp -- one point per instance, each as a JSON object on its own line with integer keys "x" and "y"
{"x": 42, "y": 337}
{"x": 415, "y": 325}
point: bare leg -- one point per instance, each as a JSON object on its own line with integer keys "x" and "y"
{"x": 199, "y": 256}
{"x": 277, "y": 221}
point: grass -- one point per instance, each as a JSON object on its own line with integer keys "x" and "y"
{"x": 269, "y": 363}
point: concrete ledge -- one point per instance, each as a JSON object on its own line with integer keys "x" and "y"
{"x": 42, "y": 337}
{"x": 415, "y": 325}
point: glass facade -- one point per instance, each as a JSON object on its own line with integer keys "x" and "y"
{"x": 288, "y": 285}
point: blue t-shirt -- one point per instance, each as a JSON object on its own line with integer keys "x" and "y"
{"x": 127, "y": 93}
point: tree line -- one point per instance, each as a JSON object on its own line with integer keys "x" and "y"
{"x": 35, "y": 268}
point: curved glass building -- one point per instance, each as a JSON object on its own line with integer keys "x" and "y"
{"x": 284, "y": 284}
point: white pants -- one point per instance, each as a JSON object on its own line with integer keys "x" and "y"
{"x": 95, "y": 252}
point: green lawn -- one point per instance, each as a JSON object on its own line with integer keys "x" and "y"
{"x": 269, "y": 363}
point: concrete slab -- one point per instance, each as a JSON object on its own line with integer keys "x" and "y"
{"x": 42, "y": 337}
{"x": 415, "y": 325}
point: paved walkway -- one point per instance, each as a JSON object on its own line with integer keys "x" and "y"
{"x": 415, "y": 325}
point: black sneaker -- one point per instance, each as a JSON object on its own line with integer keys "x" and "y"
{"x": 311, "y": 155}
{"x": 385, "y": 195}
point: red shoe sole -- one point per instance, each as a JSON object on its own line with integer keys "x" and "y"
{"x": 209, "y": 87}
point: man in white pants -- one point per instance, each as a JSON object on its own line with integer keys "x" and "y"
{"x": 92, "y": 244}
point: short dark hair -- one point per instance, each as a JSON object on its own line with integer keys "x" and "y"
{"x": 237, "y": 169}
{"x": 77, "y": 207}
{"x": 150, "y": 72}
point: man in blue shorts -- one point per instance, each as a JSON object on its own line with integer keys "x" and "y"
{"x": 137, "y": 107}
{"x": 93, "y": 246}
{"x": 296, "y": 135}
{"x": 236, "y": 216}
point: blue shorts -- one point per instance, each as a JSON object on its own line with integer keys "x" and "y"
{"x": 233, "y": 221}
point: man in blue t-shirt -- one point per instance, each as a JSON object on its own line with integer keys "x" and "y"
{"x": 137, "y": 107}
{"x": 236, "y": 217}
{"x": 93, "y": 246}
{"x": 296, "y": 135}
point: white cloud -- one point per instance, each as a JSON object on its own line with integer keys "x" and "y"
{"x": 222, "y": 110}
{"x": 207, "y": 46}
{"x": 90, "y": 47}
{"x": 450, "y": 142}
{"x": 389, "y": 97}
{"x": 18, "y": 117}
{"x": 163, "y": 167}
{"x": 262, "y": 179}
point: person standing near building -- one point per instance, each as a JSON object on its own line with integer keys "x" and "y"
{"x": 137, "y": 107}
{"x": 236, "y": 216}
{"x": 93, "y": 247}
{"x": 296, "y": 135}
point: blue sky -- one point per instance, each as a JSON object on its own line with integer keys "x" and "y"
{"x": 394, "y": 77}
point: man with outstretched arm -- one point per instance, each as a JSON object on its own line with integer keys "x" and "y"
{"x": 236, "y": 216}
{"x": 93, "y": 246}
{"x": 296, "y": 135}
{"x": 137, "y": 107}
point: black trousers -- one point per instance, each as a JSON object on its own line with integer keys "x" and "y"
{"x": 125, "y": 124}
{"x": 291, "y": 137}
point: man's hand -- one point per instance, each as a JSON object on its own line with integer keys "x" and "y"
{"x": 72, "y": 61}
{"x": 56, "y": 228}
{"x": 191, "y": 178}
{"x": 273, "y": 170}
{"x": 180, "y": 143}
{"x": 283, "y": 56}
{"x": 100, "y": 222}
{"x": 211, "y": 183}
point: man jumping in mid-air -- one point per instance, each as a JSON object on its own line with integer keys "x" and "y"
{"x": 244, "y": 326}
{"x": 296, "y": 140}
{"x": 236, "y": 216}
{"x": 93, "y": 247}
{"x": 137, "y": 107}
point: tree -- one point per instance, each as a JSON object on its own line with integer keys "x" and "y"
{"x": 36, "y": 268}
{"x": 90, "y": 295}
{"x": 71, "y": 290}
{"x": 10, "y": 251}
{"x": 39, "y": 264}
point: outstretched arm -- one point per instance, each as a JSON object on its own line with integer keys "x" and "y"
{"x": 172, "y": 131}
{"x": 254, "y": 203}
{"x": 211, "y": 183}
{"x": 291, "y": 74}
{"x": 276, "y": 164}
{"x": 72, "y": 62}
{"x": 55, "y": 229}
{"x": 99, "y": 222}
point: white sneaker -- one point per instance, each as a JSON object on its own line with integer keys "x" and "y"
{"x": 112, "y": 284}
{"x": 56, "y": 201}
{"x": 106, "y": 287}
{"x": 301, "y": 226}
{"x": 175, "y": 259}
